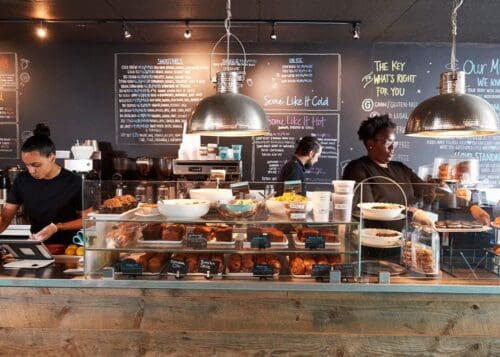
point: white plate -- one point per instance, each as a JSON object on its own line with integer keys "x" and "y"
{"x": 159, "y": 243}
{"x": 463, "y": 230}
{"x": 141, "y": 214}
{"x": 221, "y": 245}
{"x": 398, "y": 218}
{"x": 381, "y": 214}
{"x": 369, "y": 238}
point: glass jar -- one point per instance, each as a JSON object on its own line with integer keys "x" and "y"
{"x": 420, "y": 252}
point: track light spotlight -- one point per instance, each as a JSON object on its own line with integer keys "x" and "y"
{"x": 187, "y": 33}
{"x": 41, "y": 30}
{"x": 126, "y": 33}
{"x": 356, "y": 32}
{"x": 274, "y": 35}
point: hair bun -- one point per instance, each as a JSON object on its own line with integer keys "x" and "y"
{"x": 41, "y": 129}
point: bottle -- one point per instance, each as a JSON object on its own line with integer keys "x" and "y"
{"x": 140, "y": 193}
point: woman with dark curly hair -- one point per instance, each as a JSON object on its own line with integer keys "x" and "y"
{"x": 378, "y": 136}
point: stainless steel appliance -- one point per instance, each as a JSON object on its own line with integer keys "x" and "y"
{"x": 202, "y": 170}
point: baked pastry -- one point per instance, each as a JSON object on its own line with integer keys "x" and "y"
{"x": 497, "y": 221}
{"x": 273, "y": 260}
{"x": 152, "y": 231}
{"x": 444, "y": 171}
{"x": 218, "y": 258}
{"x": 173, "y": 232}
{"x": 224, "y": 234}
{"x": 206, "y": 231}
{"x": 247, "y": 263}
{"x": 329, "y": 235}
{"x": 260, "y": 259}
{"x": 276, "y": 235}
{"x": 297, "y": 266}
{"x": 234, "y": 263}
{"x": 304, "y": 232}
{"x": 122, "y": 235}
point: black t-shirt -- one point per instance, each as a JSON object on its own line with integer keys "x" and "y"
{"x": 292, "y": 170}
{"x": 49, "y": 201}
{"x": 383, "y": 190}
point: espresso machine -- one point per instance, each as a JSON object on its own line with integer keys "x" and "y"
{"x": 205, "y": 174}
{"x": 86, "y": 159}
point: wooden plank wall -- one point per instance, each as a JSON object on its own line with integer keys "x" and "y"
{"x": 135, "y": 322}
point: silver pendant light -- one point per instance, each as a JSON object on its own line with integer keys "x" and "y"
{"x": 453, "y": 113}
{"x": 228, "y": 113}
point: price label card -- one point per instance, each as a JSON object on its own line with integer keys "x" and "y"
{"x": 196, "y": 241}
{"x": 240, "y": 189}
{"x": 260, "y": 241}
{"x": 130, "y": 267}
{"x": 177, "y": 266}
{"x": 208, "y": 266}
{"x": 292, "y": 186}
{"x": 346, "y": 270}
{"x": 320, "y": 271}
{"x": 315, "y": 242}
{"x": 263, "y": 270}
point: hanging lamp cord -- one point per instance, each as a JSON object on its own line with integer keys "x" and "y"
{"x": 456, "y": 5}
{"x": 227, "y": 25}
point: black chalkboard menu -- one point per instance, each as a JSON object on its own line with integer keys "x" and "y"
{"x": 154, "y": 93}
{"x": 399, "y": 77}
{"x": 9, "y": 99}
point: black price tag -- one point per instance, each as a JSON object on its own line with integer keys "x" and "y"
{"x": 240, "y": 189}
{"x": 208, "y": 266}
{"x": 263, "y": 270}
{"x": 346, "y": 270}
{"x": 196, "y": 241}
{"x": 315, "y": 242}
{"x": 260, "y": 242}
{"x": 320, "y": 271}
{"x": 177, "y": 266}
{"x": 293, "y": 186}
{"x": 130, "y": 267}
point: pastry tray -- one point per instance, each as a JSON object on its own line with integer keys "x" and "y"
{"x": 159, "y": 243}
{"x": 463, "y": 230}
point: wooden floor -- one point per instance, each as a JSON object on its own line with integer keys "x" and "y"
{"x": 158, "y": 322}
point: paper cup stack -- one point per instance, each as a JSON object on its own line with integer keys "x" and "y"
{"x": 321, "y": 205}
{"x": 342, "y": 200}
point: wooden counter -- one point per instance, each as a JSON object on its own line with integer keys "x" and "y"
{"x": 192, "y": 321}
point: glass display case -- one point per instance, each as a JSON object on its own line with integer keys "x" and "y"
{"x": 239, "y": 231}
{"x": 220, "y": 230}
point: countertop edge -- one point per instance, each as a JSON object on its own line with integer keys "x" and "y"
{"x": 256, "y": 286}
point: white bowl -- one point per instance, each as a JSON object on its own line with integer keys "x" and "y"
{"x": 376, "y": 237}
{"x": 82, "y": 152}
{"x": 213, "y": 195}
{"x": 183, "y": 208}
{"x": 278, "y": 208}
{"x": 377, "y": 210}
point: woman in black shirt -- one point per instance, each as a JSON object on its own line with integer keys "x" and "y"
{"x": 51, "y": 195}
{"x": 378, "y": 136}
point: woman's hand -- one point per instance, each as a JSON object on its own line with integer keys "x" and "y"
{"x": 480, "y": 215}
{"x": 423, "y": 218}
{"x": 45, "y": 233}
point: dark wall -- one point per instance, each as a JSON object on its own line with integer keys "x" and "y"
{"x": 72, "y": 89}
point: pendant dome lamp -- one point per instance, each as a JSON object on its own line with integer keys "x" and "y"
{"x": 453, "y": 113}
{"x": 228, "y": 113}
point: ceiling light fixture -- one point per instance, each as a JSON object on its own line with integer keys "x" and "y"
{"x": 274, "y": 36}
{"x": 187, "y": 33}
{"x": 453, "y": 113}
{"x": 126, "y": 33}
{"x": 356, "y": 31}
{"x": 228, "y": 113}
{"x": 41, "y": 30}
